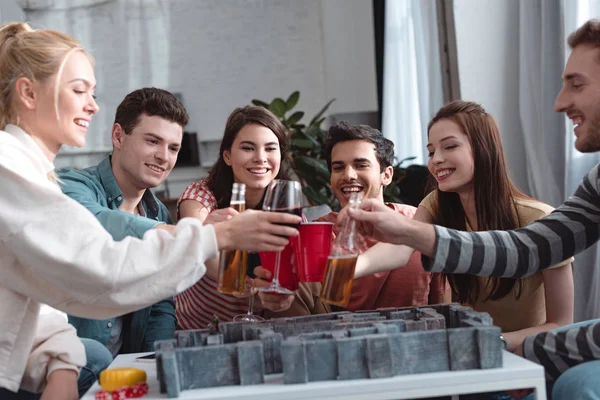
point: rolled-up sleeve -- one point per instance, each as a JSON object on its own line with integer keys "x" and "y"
{"x": 55, "y": 346}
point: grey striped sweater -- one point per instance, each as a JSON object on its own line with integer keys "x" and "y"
{"x": 570, "y": 229}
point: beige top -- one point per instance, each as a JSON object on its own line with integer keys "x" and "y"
{"x": 55, "y": 255}
{"x": 509, "y": 313}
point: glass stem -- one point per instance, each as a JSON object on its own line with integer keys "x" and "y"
{"x": 251, "y": 303}
{"x": 275, "y": 282}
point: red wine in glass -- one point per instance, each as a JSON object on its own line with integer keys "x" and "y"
{"x": 296, "y": 211}
{"x": 286, "y": 197}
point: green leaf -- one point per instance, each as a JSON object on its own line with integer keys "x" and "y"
{"x": 312, "y": 131}
{"x": 320, "y": 113}
{"x": 260, "y": 103}
{"x": 315, "y": 198}
{"x": 317, "y": 166}
{"x": 302, "y": 143}
{"x": 291, "y": 102}
{"x": 321, "y": 135}
{"x": 295, "y": 117}
{"x": 277, "y": 107}
{"x": 305, "y": 135}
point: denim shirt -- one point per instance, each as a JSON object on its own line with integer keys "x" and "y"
{"x": 97, "y": 190}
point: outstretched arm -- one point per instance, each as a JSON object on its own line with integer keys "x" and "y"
{"x": 387, "y": 256}
{"x": 570, "y": 229}
{"x": 59, "y": 254}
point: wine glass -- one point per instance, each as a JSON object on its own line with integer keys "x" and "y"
{"x": 282, "y": 196}
{"x": 249, "y": 316}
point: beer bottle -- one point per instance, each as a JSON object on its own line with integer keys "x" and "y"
{"x": 337, "y": 284}
{"x": 232, "y": 263}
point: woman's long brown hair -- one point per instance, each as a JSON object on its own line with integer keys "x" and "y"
{"x": 494, "y": 192}
{"x": 220, "y": 176}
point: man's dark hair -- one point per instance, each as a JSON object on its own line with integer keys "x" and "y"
{"x": 151, "y": 102}
{"x": 344, "y": 132}
{"x": 587, "y": 34}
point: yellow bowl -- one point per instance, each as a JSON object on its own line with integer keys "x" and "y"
{"x": 115, "y": 378}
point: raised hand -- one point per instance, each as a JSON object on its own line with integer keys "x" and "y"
{"x": 256, "y": 231}
{"x": 379, "y": 221}
{"x": 388, "y": 226}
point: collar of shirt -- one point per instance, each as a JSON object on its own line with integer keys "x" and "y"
{"x": 114, "y": 195}
{"x": 36, "y": 154}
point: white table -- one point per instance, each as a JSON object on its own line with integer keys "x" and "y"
{"x": 517, "y": 373}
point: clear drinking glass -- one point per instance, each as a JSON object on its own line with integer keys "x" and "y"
{"x": 282, "y": 196}
{"x": 249, "y": 316}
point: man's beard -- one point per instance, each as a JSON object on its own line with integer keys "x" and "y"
{"x": 591, "y": 142}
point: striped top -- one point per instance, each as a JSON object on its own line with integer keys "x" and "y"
{"x": 199, "y": 192}
{"x": 196, "y": 306}
{"x": 570, "y": 229}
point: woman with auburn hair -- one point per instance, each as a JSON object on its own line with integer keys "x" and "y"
{"x": 253, "y": 148}
{"x": 473, "y": 192}
{"x": 55, "y": 255}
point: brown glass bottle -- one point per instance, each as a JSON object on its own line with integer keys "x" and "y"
{"x": 339, "y": 275}
{"x": 232, "y": 263}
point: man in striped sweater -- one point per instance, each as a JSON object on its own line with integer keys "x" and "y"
{"x": 572, "y": 352}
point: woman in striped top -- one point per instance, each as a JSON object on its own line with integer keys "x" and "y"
{"x": 253, "y": 145}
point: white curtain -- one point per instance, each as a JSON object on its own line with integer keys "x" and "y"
{"x": 540, "y": 67}
{"x": 554, "y": 167}
{"x": 587, "y": 264}
{"x": 412, "y": 79}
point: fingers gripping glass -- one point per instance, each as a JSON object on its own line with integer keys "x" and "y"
{"x": 286, "y": 197}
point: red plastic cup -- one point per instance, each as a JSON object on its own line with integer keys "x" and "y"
{"x": 287, "y": 272}
{"x": 312, "y": 247}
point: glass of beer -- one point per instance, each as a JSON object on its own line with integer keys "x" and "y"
{"x": 339, "y": 274}
{"x": 233, "y": 263}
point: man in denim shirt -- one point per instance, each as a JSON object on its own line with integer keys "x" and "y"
{"x": 146, "y": 137}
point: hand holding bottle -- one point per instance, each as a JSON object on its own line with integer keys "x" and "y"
{"x": 382, "y": 223}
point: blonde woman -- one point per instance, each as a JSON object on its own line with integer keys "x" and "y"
{"x": 54, "y": 254}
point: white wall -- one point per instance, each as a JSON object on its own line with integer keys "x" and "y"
{"x": 488, "y": 55}
{"x": 218, "y": 54}
{"x": 349, "y": 45}
{"x": 11, "y": 12}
